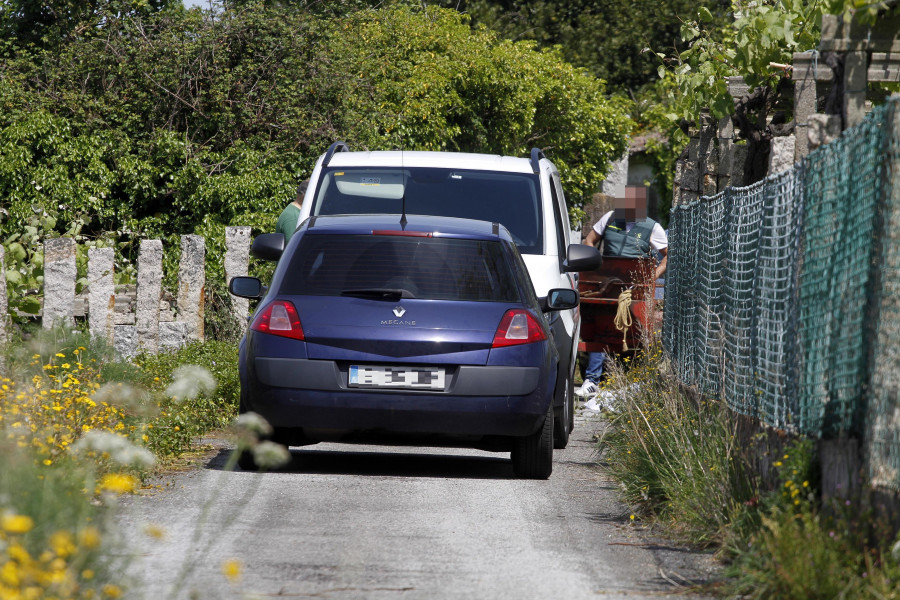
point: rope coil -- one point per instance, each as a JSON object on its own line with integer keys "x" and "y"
{"x": 623, "y": 319}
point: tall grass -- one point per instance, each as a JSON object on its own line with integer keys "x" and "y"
{"x": 680, "y": 459}
{"x": 75, "y": 428}
{"x": 675, "y": 455}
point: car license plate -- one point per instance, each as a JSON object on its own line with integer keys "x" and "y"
{"x": 418, "y": 378}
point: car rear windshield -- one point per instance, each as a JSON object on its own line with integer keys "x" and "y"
{"x": 512, "y": 199}
{"x": 424, "y": 267}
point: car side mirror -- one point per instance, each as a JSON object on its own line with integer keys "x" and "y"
{"x": 268, "y": 246}
{"x": 580, "y": 257}
{"x": 246, "y": 287}
{"x": 559, "y": 299}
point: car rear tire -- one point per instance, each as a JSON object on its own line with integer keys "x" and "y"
{"x": 563, "y": 420}
{"x": 245, "y": 458}
{"x": 245, "y": 461}
{"x": 532, "y": 455}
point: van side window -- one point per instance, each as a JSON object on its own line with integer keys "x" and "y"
{"x": 562, "y": 232}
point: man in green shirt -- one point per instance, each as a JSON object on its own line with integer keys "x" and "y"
{"x": 290, "y": 216}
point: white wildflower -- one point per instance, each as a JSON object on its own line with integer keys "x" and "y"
{"x": 189, "y": 381}
{"x": 254, "y": 423}
{"x": 269, "y": 455}
{"x": 134, "y": 400}
{"x": 119, "y": 448}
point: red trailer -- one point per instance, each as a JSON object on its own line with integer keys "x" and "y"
{"x": 600, "y": 292}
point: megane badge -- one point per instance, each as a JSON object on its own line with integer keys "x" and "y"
{"x": 399, "y": 311}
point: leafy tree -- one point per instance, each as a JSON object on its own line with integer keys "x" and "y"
{"x": 180, "y": 121}
{"x": 763, "y": 35}
{"x": 47, "y": 24}
{"x": 608, "y": 37}
{"x": 426, "y": 81}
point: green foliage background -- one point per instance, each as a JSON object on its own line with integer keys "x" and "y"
{"x": 154, "y": 121}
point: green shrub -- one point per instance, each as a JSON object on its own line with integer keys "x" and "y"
{"x": 181, "y": 420}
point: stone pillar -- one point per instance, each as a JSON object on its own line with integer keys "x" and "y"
{"x": 725, "y": 133}
{"x": 614, "y": 184}
{"x": 237, "y": 261}
{"x": 781, "y": 156}
{"x": 59, "y": 282}
{"x": 823, "y": 129}
{"x": 173, "y": 335}
{"x": 707, "y": 155}
{"x": 149, "y": 288}
{"x": 125, "y": 340}
{"x": 855, "y": 66}
{"x": 101, "y": 293}
{"x": 686, "y": 186}
{"x": 191, "y": 285}
{"x": 804, "y": 73}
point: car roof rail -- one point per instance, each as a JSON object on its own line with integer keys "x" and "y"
{"x": 335, "y": 147}
{"x": 536, "y": 155}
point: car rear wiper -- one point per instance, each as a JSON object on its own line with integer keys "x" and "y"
{"x": 382, "y": 293}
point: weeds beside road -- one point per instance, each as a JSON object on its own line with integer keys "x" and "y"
{"x": 78, "y": 429}
{"x": 681, "y": 461}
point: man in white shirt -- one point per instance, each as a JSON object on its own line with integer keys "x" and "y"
{"x": 625, "y": 232}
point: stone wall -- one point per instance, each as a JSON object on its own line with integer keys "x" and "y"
{"x": 851, "y": 55}
{"x": 135, "y": 317}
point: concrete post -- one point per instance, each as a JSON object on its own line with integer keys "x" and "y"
{"x": 707, "y": 155}
{"x": 148, "y": 292}
{"x": 855, "y": 66}
{"x": 59, "y": 282}
{"x": 804, "y": 72}
{"x": 191, "y": 285}
{"x": 101, "y": 293}
{"x": 237, "y": 262}
{"x": 725, "y": 133}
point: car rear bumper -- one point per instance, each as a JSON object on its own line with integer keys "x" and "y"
{"x": 489, "y": 400}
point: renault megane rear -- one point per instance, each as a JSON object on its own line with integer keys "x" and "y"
{"x": 424, "y": 331}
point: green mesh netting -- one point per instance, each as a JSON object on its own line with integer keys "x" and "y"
{"x": 784, "y": 297}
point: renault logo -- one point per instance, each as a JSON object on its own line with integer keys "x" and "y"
{"x": 399, "y": 311}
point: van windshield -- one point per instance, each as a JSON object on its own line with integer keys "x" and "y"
{"x": 512, "y": 199}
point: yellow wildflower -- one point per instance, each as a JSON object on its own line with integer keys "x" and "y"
{"x": 118, "y": 483}
{"x": 155, "y": 531}
{"x": 231, "y": 568}
{"x": 16, "y": 524}
{"x": 89, "y": 537}
{"x": 62, "y": 543}
{"x": 9, "y": 574}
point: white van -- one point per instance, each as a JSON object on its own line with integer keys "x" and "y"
{"x": 523, "y": 194}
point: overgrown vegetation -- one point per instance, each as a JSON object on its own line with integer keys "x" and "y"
{"x": 152, "y": 122}
{"x": 79, "y": 428}
{"x": 681, "y": 461}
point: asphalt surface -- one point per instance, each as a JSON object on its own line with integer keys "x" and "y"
{"x": 382, "y": 522}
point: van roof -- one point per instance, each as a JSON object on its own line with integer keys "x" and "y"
{"x": 451, "y": 160}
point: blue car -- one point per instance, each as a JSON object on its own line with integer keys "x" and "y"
{"x": 416, "y": 330}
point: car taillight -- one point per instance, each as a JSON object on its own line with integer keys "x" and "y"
{"x": 279, "y": 318}
{"x": 518, "y": 327}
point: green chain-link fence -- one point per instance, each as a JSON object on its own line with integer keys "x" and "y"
{"x": 784, "y": 297}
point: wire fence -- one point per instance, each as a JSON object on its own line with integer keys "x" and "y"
{"x": 783, "y": 297}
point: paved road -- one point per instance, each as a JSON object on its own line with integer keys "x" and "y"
{"x": 401, "y": 523}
